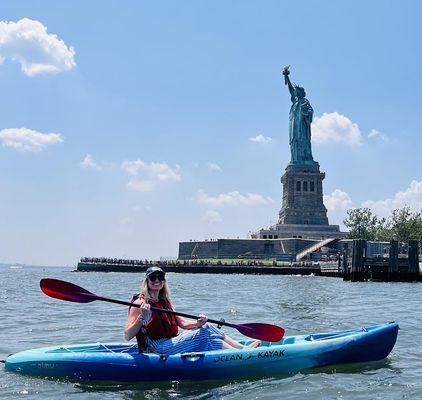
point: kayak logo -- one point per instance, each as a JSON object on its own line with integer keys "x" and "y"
{"x": 45, "y": 365}
{"x": 244, "y": 357}
{"x": 269, "y": 353}
{"x": 232, "y": 357}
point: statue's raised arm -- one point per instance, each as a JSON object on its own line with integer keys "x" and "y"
{"x": 286, "y": 73}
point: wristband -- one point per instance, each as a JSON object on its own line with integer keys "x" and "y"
{"x": 141, "y": 319}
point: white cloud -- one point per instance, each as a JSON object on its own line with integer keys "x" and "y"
{"x": 28, "y": 43}
{"x": 411, "y": 197}
{"x": 156, "y": 171}
{"x": 338, "y": 200}
{"x": 147, "y": 176}
{"x": 24, "y": 139}
{"x": 337, "y": 203}
{"x": 261, "y": 139}
{"x": 232, "y": 199}
{"x": 89, "y": 162}
{"x": 334, "y": 127}
{"x": 214, "y": 167}
{"x": 212, "y": 217}
{"x": 376, "y": 134}
{"x": 141, "y": 186}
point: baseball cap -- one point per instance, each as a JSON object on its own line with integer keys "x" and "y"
{"x": 151, "y": 270}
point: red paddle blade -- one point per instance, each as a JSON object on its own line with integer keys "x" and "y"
{"x": 267, "y": 332}
{"x": 66, "y": 291}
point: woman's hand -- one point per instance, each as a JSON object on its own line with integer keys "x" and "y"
{"x": 202, "y": 320}
{"x": 144, "y": 310}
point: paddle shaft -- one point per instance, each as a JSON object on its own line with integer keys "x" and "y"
{"x": 126, "y": 303}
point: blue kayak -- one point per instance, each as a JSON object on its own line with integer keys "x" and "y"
{"x": 123, "y": 362}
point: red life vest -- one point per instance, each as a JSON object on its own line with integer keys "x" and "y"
{"x": 160, "y": 325}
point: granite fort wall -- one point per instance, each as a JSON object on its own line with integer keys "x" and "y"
{"x": 202, "y": 249}
{"x": 233, "y": 248}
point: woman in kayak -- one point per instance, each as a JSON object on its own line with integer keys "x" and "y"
{"x": 160, "y": 331}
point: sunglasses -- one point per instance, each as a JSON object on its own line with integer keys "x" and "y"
{"x": 154, "y": 277}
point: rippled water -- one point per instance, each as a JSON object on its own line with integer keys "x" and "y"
{"x": 299, "y": 304}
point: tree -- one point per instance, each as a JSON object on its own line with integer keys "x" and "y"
{"x": 405, "y": 225}
{"x": 363, "y": 224}
{"x": 402, "y": 225}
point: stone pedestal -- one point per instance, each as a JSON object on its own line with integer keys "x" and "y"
{"x": 302, "y": 196}
{"x": 302, "y": 214}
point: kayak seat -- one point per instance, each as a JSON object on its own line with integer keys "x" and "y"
{"x": 289, "y": 340}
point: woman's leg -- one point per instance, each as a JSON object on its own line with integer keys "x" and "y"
{"x": 236, "y": 345}
{"x": 232, "y": 343}
{"x": 227, "y": 346}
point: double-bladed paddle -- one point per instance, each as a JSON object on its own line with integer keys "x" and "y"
{"x": 68, "y": 291}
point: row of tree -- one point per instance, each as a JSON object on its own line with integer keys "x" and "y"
{"x": 402, "y": 225}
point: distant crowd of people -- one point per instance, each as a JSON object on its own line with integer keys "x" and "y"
{"x": 106, "y": 260}
{"x": 164, "y": 263}
{"x": 249, "y": 263}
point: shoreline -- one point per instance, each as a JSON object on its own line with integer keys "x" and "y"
{"x": 213, "y": 269}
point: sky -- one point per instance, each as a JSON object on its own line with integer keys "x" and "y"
{"x": 128, "y": 126}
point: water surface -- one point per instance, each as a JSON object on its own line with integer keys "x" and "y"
{"x": 299, "y": 304}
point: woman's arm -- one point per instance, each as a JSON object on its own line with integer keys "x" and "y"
{"x": 191, "y": 324}
{"x": 133, "y": 321}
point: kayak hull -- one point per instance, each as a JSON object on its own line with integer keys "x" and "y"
{"x": 123, "y": 363}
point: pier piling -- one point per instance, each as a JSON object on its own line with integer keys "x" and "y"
{"x": 393, "y": 261}
{"x": 413, "y": 258}
{"x": 358, "y": 257}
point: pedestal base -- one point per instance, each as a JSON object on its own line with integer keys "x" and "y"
{"x": 317, "y": 232}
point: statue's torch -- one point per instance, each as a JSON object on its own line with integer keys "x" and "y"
{"x": 286, "y": 73}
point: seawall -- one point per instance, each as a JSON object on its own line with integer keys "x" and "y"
{"x": 208, "y": 269}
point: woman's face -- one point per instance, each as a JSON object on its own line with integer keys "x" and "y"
{"x": 156, "y": 281}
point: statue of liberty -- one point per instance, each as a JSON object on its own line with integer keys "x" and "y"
{"x": 300, "y": 119}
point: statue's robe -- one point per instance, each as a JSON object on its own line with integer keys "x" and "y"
{"x": 300, "y": 119}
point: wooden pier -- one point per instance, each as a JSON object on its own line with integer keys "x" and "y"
{"x": 394, "y": 267}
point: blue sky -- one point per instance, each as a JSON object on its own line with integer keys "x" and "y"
{"x": 126, "y": 127}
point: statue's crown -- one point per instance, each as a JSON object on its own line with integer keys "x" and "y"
{"x": 299, "y": 89}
